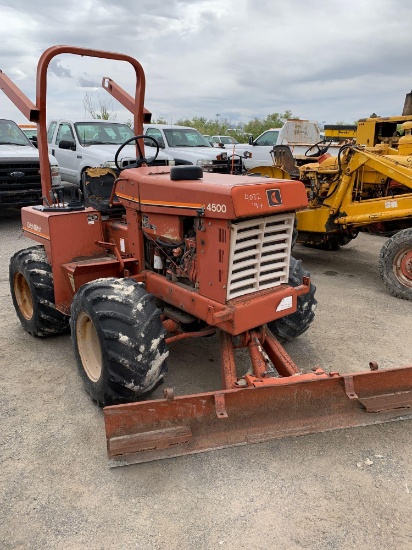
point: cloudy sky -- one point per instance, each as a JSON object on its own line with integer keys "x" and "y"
{"x": 325, "y": 60}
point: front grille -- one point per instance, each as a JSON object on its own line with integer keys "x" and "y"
{"x": 224, "y": 166}
{"x": 158, "y": 162}
{"x": 259, "y": 254}
{"x": 19, "y": 175}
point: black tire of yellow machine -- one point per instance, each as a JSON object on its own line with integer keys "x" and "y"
{"x": 395, "y": 264}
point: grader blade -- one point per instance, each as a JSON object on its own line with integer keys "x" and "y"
{"x": 268, "y": 409}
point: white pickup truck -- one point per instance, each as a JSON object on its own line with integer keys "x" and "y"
{"x": 20, "y": 183}
{"x": 188, "y": 146}
{"x": 82, "y": 144}
{"x": 300, "y": 135}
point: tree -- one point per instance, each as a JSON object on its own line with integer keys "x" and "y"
{"x": 276, "y": 120}
{"x": 159, "y": 120}
{"x": 343, "y": 123}
{"x": 220, "y": 126}
{"x": 104, "y": 110}
{"x": 211, "y": 127}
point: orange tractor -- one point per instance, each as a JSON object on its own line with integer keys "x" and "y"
{"x": 169, "y": 253}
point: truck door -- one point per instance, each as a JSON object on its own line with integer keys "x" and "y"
{"x": 67, "y": 158}
{"x": 261, "y": 149}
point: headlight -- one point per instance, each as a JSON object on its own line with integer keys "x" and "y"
{"x": 203, "y": 162}
{"x": 110, "y": 164}
{"x": 171, "y": 162}
{"x": 222, "y": 156}
{"x": 55, "y": 175}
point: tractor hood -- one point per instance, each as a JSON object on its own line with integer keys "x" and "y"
{"x": 213, "y": 196}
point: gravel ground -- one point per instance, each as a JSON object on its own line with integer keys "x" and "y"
{"x": 338, "y": 490}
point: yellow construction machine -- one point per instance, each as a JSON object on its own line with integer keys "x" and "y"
{"x": 367, "y": 185}
{"x": 339, "y": 132}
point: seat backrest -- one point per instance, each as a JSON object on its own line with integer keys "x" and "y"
{"x": 97, "y": 190}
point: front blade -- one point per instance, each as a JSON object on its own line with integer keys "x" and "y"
{"x": 296, "y": 405}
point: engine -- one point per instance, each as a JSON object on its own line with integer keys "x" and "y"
{"x": 170, "y": 250}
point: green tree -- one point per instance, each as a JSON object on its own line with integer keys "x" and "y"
{"x": 343, "y": 123}
{"x": 211, "y": 127}
{"x": 220, "y": 125}
{"x": 275, "y": 120}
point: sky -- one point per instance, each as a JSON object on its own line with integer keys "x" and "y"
{"x": 324, "y": 60}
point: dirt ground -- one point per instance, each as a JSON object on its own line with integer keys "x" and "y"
{"x": 339, "y": 490}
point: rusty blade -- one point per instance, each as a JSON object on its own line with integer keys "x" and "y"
{"x": 165, "y": 428}
{"x": 388, "y": 402}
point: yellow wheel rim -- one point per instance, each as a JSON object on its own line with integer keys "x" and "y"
{"x": 23, "y": 295}
{"x": 89, "y": 346}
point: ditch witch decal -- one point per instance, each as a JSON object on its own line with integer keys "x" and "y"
{"x": 274, "y": 197}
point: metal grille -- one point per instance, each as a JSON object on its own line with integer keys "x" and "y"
{"x": 223, "y": 166}
{"x": 158, "y": 162}
{"x": 259, "y": 254}
{"x": 19, "y": 175}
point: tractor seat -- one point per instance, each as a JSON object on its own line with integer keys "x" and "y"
{"x": 282, "y": 156}
{"x": 97, "y": 185}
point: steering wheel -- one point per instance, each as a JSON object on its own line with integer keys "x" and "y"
{"x": 320, "y": 150}
{"x": 141, "y": 158}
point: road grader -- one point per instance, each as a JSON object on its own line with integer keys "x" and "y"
{"x": 170, "y": 253}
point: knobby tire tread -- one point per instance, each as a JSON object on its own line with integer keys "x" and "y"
{"x": 293, "y": 325}
{"x": 33, "y": 264}
{"x": 131, "y": 336}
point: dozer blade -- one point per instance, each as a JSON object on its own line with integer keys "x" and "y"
{"x": 281, "y": 407}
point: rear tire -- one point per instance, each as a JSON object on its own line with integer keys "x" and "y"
{"x": 118, "y": 339}
{"x": 295, "y": 324}
{"x": 395, "y": 264}
{"x": 32, "y": 291}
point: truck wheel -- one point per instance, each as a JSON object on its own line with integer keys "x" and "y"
{"x": 395, "y": 264}
{"x": 295, "y": 324}
{"x": 118, "y": 339}
{"x": 32, "y": 291}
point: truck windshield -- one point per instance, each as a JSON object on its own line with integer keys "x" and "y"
{"x": 102, "y": 133}
{"x": 10, "y": 134}
{"x": 185, "y": 137}
{"x": 228, "y": 140}
{"x": 267, "y": 138}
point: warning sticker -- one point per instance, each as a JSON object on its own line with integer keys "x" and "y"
{"x": 285, "y": 303}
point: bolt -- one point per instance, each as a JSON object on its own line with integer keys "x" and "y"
{"x": 168, "y": 393}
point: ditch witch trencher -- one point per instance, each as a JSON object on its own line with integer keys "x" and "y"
{"x": 142, "y": 256}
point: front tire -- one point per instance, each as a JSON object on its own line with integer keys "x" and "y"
{"x": 118, "y": 339}
{"x": 395, "y": 264}
{"x": 293, "y": 325}
{"x": 32, "y": 291}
